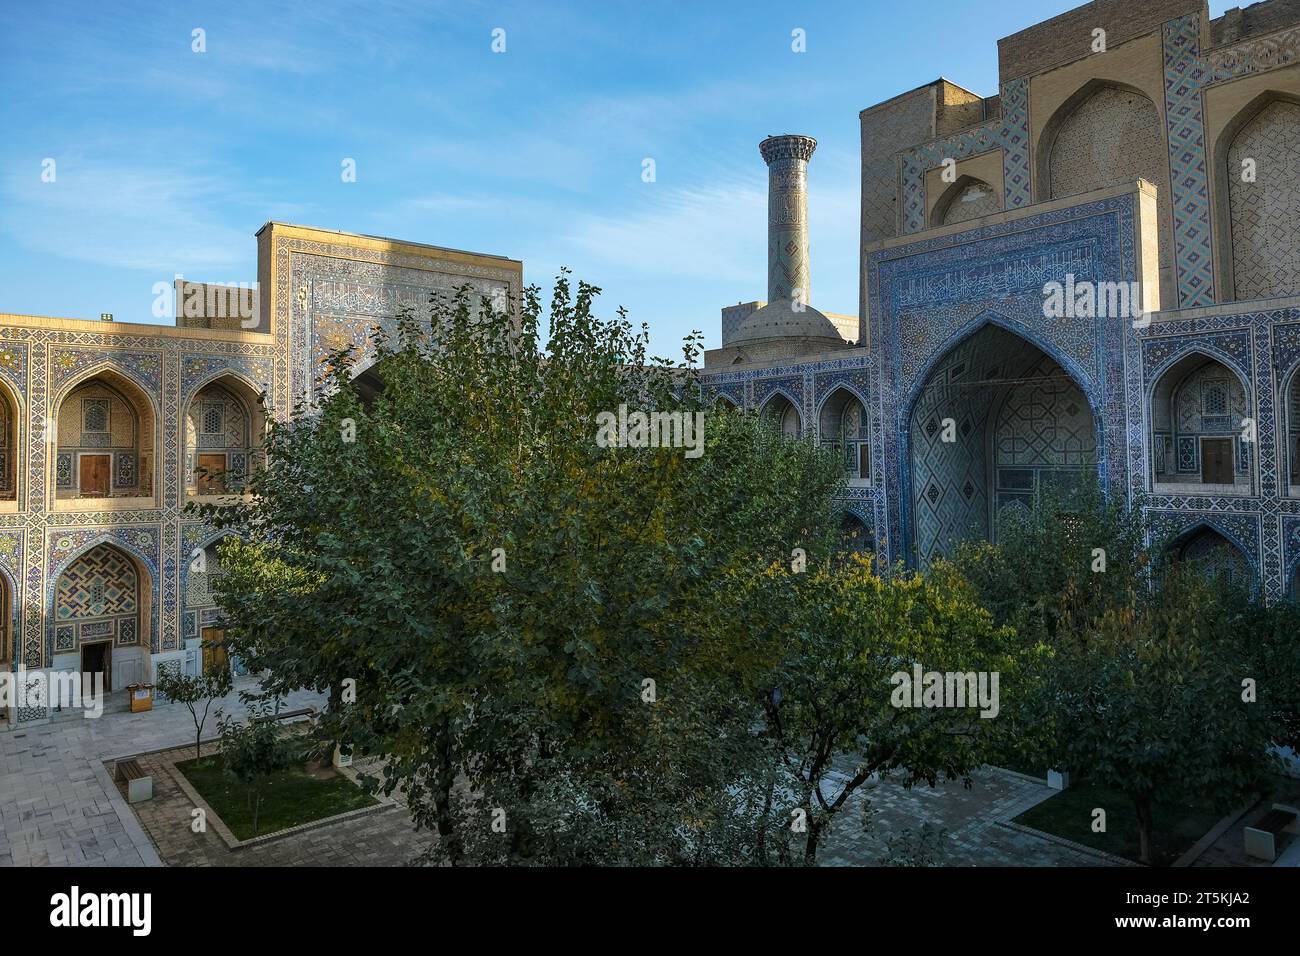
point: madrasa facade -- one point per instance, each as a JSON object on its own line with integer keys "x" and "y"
{"x": 1135, "y": 153}
{"x": 1093, "y": 274}
{"x": 110, "y": 429}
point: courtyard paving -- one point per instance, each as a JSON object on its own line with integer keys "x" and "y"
{"x": 60, "y": 807}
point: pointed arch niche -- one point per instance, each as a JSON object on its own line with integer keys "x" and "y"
{"x": 106, "y": 441}
{"x": 224, "y": 427}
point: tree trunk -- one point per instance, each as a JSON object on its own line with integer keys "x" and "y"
{"x": 445, "y": 779}
{"x": 810, "y": 848}
{"x": 761, "y": 847}
{"x": 1142, "y": 804}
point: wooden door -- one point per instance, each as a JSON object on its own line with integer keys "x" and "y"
{"x": 1216, "y": 461}
{"x": 95, "y": 658}
{"x": 210, "y": 474}
{"x": 94, "y": 475}
{"x": 214, "y": 649}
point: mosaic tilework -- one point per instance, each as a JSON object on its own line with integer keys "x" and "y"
{"x": 929, "y": 295}
{"x": 145, "y": 368}
{"x": 1187, "y": 72}
{"x": 331, "y": 300}
{"x": 1265, "y": 248}
{"x": 1008, "y": 132}
{"x": 13, "y": 364}
{"x": 976, "y": 200}
{"x": 1291, "y": 551}
{"x": 1255, "y": 55}
{"x": 1185, "y": 75}
{"x": 1243, "y": 530}
{"x": 41, "y": 363}
{"x": 65, "y": 547}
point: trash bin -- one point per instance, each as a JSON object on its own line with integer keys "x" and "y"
{"x": 141, "y": 697}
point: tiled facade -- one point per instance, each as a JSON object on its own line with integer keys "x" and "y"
{"x": 75, "y": 567}
{"x": 1194, "y": 395}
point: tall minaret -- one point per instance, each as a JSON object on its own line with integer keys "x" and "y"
{"x": 787, "y": 215}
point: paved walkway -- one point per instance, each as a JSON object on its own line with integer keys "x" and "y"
{"x": 58, "y": 806}
{"x": 384, "y": 837}
{"x": 973, "y": 819}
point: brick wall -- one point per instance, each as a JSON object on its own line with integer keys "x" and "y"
{"x": 892, "y": 126}
{"x": 1069, "y": 36}
{"x": 1255, "y": 20}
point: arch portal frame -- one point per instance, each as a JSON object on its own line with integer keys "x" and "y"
{"x": 928, "y": 296}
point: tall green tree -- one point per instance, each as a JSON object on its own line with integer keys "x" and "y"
{"x": 1142, "y": 691}
{"x": 534, "y": 629}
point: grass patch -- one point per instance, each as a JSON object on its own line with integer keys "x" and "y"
{"x": 290, "y": 798}
{"x": 1068, "y": 814}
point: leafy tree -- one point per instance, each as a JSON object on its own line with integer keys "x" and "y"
{"x": 1153, "y": 704}
{"x": 194, "y": 691}
{"x": 253, "y": 751}
{"x": 1142, "y": 691}
{"x": 837, "y": 713}
{"x": 533, "y": 623}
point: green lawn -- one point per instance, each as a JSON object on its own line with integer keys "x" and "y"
{"x": 1069, "y": 814}
{"x": 291, "y": 797}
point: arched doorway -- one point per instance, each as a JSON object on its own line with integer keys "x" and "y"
{"x": 204, "y": 617}
{"x": 1291, "y": 447}
{"x": 101, "y": 610}
{"x": 1216, "y": 556}
{"x": 782, "y": 413}
{"x": 994, "y": 423}
{"x": 854, "y": 537}
{"x": 1199, "y": 412}
{"x": 7, "y": 647}
{"x": 369, "y": 385}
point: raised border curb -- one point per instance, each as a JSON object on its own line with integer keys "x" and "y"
{"x": 1062, "y": 841}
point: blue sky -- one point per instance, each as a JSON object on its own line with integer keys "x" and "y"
{"x": 168, "y": 160}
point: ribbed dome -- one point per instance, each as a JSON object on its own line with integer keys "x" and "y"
{"x": 779, "y": 320}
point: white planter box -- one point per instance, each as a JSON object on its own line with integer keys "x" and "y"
{"x": 1057, "y": 780}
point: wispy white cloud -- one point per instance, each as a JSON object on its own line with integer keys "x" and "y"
{"x": 158, "y": 218}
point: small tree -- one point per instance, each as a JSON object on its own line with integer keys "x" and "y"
{"x": 836, "y": 714}
{"x": 193, "y": 691}
{"x": 252, "y": 751}
{"x": 1143, "y": 691}
{"x": 1153, "y": 704}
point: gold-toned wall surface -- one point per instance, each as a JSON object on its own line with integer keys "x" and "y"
{"x": 322, "y": 289}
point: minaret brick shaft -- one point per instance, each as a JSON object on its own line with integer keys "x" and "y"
{"x": 787, "y": 215}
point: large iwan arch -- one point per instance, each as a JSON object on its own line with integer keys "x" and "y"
{"x": 1259, "y": 174}
{"x": 995, "y": 421}
{"x": 1108, "y": 134}
{"x": 101, "y": 614}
